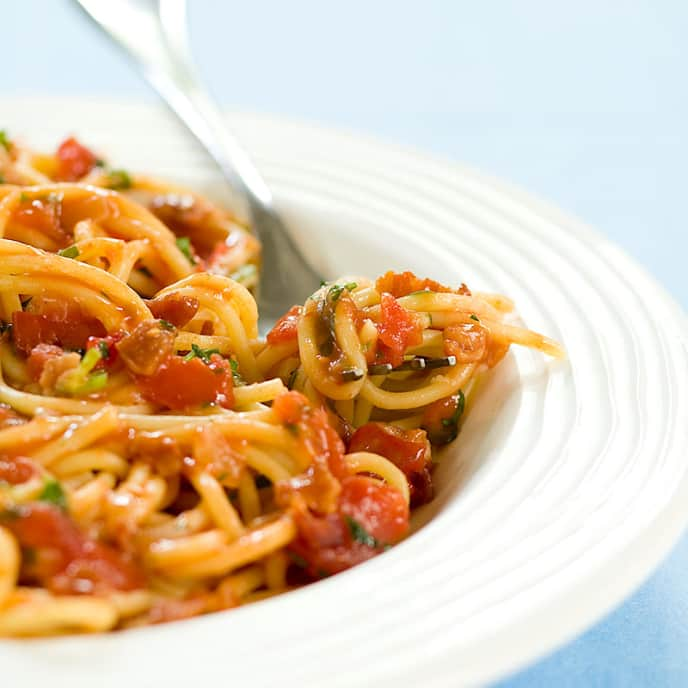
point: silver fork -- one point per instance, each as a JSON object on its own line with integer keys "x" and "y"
{"x": 154, "y": 33}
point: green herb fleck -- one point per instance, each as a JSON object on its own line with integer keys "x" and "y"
{"x": 475, "y": 317}
{"x": 203, "y": 354}
{"x": 23, "y": 197}
{"x": 81, "y": 380}
{"x": 119, "y": 180}
{"x": 360, "y": 534}
{"x": 53, "y": 493}
{"x": 2, "y": 178}
{"x": 4, "y": 141}
{"x": 292, "y": 428}
{"x": 166, "y": 324}
{"x": 99, "y": 162}
{"x": 338, "y": 289}
{"x": 104, "y": 350}
{"x": 28, "y": 555}
{"x": 184, "y": 245}
{"x": 69, "y": 252}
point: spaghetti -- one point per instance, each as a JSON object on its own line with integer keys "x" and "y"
{"x": 158, "y": 460}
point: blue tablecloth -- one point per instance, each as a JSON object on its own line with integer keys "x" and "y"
{"x": 584, "y": 103}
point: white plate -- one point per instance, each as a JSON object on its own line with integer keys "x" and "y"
{"x": 567, "y": 485}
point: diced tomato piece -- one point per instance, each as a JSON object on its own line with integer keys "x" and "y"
{"x": 108, "y": 349}
{"x": 57, "y": 322}
{"x": 319, "y": 486}
{"x": 370, "y": 516}
{"x": 285, "y": 329}
{"x": 43, "y": 215}
{"x": 16, "y": 469}
{"x": 313, "y": 429}
{"x": 174, "y": 308}
{"x": 39, "y": 356}
{"x": 67, "y": 561}
{"x": 381, "y": 510}
{"x": 409, "y": 450}
{"x": 180, "y": 384}
{"x": 398, "y": 330}
{"x": 404, "y": 283}
{"x": 74, "y": 160}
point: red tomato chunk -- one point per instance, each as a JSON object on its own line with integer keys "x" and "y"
{"x": 65, "y": 560}
{"x": 285, "y": 329}
{"x": 409, "y": 450}
{"x": 180, "y": 384}
{"x": 399, "y": 329}
{"x": 61, "y": 323}
{"x": 74, "y": 160}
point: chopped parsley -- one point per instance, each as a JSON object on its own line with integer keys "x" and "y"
{"x": 338, "y": 289}
{"x": 236, "y": 375}
{"x": 104, "y": 350}
{"x": 184, "y": 245}
{"x": 83, "y": 379}
{"x": 475, "y": 317}
{"x": 454, "y": 418}
{"x": 54, "y": 494}
{"x": 23, "y": 197}
{"x": 360, "y": 534}
{"x": 4, "y": 141}
{"x": 69, "y": 252}
{"x": 203, "y": 354}
{"x": 119, "y": 180}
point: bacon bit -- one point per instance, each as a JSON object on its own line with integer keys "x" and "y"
{"x": 55, "y": 368}
{"x": 285, "y": 329}
{"x": 213, "y": 452}
{"x": 39, "y": 357}
{"x": 176, "y": 309}
{"x": 163, "y": 454}
{"x": 74, "y": 161}
{"x": 405, "y": 283}
{"x": 409, "y": 450}
{"x": 67, "y": 561}
{"x": 16, "y": 470}
{"x": 147, "y": 347}
{"x": 398, "y": 330}
{"x": 53, "y": 322}
{"x": 180, "y": 384}
{"x": 466, "y": 341}
{"x": 326, "y": 543}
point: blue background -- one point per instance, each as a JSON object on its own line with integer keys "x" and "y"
{"x": 584, "y": 103}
